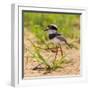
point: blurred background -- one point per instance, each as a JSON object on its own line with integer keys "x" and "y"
{"x": 68, "y": 24}
{"x": 35, "y": 38}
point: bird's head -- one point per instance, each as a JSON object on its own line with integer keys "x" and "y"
{"x": 51, "y": 27}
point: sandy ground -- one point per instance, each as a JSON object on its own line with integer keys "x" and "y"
{"x": 72, "y": 68}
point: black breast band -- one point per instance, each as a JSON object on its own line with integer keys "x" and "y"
{"x": 51, "y": 36}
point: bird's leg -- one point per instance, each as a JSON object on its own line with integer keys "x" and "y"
{"x": 56, "y": 53}
{"x": 61, "y": 50}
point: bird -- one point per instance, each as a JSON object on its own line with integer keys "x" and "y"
{"x": 54, "y": 36}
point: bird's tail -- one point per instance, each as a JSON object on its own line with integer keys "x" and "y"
{"x": 63, "y": 39}
{"x": 69, "y": 45}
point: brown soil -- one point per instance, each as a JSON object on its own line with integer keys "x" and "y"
{"x": 72, "y": 68}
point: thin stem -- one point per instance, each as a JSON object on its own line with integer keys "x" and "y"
{"x": 48, "y": 48}
{"x": 56, "y": 52}
{"x": 36, "y": 67}
{"x": 61, "y": 50}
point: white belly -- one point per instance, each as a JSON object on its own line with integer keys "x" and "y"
{"x": 57, "y": 41}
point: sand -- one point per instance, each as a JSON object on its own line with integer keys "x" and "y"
{"x": 67, "y": 69}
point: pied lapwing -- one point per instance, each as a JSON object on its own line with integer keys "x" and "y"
{"x": 54, "y": 36}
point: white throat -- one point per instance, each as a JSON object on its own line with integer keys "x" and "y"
{"x": 51, "y": 31}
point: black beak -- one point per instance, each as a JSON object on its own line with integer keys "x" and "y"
{"x": 46, "y": 29}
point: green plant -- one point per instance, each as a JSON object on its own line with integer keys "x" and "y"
{"x": 68, "y": 25}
